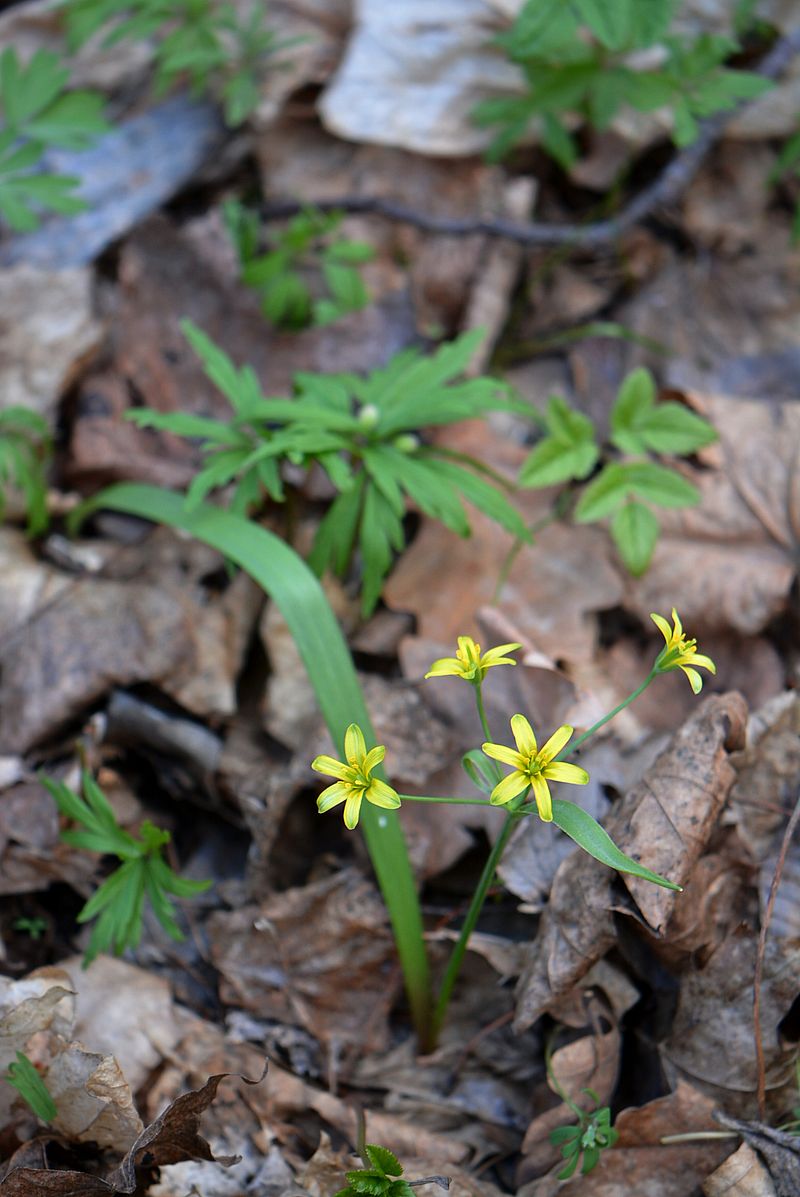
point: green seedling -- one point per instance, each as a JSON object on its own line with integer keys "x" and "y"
{"x": 25, "y": 452}
{"x": 367, "y": 434}
{"x": 215, "y": 48}
{"x": 118, "y": 904}
{"x": 37, "y": 112}
{"x": 626, "y": 489}
{"x": 35, "y": 927}
{"x": 584, "y": 1143}
{"x": 23, "y": 1077}
{"x": 584, "y": 62}
{"x": 308, "y": 275}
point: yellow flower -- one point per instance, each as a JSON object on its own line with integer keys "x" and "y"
{"x": 468, "y": 662}
{"x": 679, "y": 652}
{"x": 533, "y": 766}
{"x": 354, "y": 781}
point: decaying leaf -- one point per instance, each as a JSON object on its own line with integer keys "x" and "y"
{"x": 678, "y": 801}
{"x": 319, "y": 955}
{"x": 741, "y": 1175}
{"x": 779, "y": 1150}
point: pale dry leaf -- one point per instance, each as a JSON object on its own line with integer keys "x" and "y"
{"x": 741, "y": 1175}
{"x": 778, "y": 1149}
{"x": 93, "y": 1098}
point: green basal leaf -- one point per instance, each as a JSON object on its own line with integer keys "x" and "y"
{"x": 659, "y": 485}
{"x": 587, "y": 833}
{"x": 635, "y": 531}
{"x": 23, "y": 1077}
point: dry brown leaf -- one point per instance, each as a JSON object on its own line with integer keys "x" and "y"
{"x": 639, "y": 1165}
{"x": 741, "y": 1175}
{"x": 711, "y": 1039}
{"x": 577, "y": 927}
{"x": 320, "y": 956}
{"x": 777, "y": 1148}
{"x": 93, "y": 1098}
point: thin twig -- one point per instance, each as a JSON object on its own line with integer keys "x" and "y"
{"x": 761, "y": 1084}
{"x": 666, "y": 189}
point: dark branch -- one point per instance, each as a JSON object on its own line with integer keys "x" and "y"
{"x": 670, "y": 184}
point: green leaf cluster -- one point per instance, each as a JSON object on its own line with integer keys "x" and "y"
{"x": 624, "y": 491}
{"x": 23, "y": 1076}
{"x": 576, "y": 61}
{"x": 383, "y": 1179}
{"x": 118, "y": 904}
{"x": 589, "y": 1139}
{"x": 25, "y": 451}
{"x": 365, "y": 434}
{"x": 37, "y": 111}
{"x": 308, "y": 276}
{"x": 208, "y": 43}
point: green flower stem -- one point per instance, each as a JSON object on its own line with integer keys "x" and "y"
{"x": 575, "y": 745}
{"x": 475, "y": 907}
{"x": 485, "y": 725}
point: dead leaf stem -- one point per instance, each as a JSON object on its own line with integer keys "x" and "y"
{"x": 666, "y": 189}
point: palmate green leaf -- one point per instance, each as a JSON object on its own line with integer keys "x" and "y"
{"x": 295, "y": 590}
{"x": 430, "y": 489}
{"x": 184, "y": 424}
{"x": 553, "y": 461}
{"x": 619, "y": 482}
{"x": 587, "y": 833}
{"x": 26, "y": 90}
{"x": 481, "y": 494}
{"x": 635, "y": 531}
{"x": 346, "y": 286}
{"x": 611, "y": 21}
{"x": 668, "y": 428}
{"x": 336, "y": 534}
{"x": 380, "y": 532}
{"x": 603, "y": 495}
{"x": 240, "y": 387}
{"x": 102, "y": 832}
{"x": 24, "y": 1077}
{"x": 409, "y": 375}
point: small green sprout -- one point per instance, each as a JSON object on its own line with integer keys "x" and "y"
{"x": 25, "y": 452}
{"x": 23, "y": 1077}
{"x": 216, "y": 47}
{"x": 384, "y": 1177}
{"x": 118, "y": 904}
{"x": 574, "y": 56}
{"x": 35, "y": 927}
{"x": 589, "y": 1139}
{"x": 37, "y": 111}
{"x": 305, "y": 260}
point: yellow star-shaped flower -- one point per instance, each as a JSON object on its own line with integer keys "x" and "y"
{"x": 355, "y": 782}
{"x": 533, "y": 766}
{"x": 679, "y": 652}
{"x": 469, "y": 663}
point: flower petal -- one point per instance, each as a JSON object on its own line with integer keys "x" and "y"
{"x": 541, "y": 792}
{"x": 677, "y": 628}
{"x": 381, "y": 794}
{"x": 332, "y": 796}
{"x": 523, "y": 735}
{"x": 662, "y": 625}
{"x": 332, "y": 768}
{"x": 355, "y": 747}
{"x": 555, "y": 743}
{"x": 470, "y": 651}
{"x": 508, "y": 788}
{"x": 701, "y": 660}
{"x": 445, "y": 667}
{"x": 373, "y": 758}
{"x": 499, "y": 752}
{"x": 497, "y": 656}
{"x": 352, "y": 809}
{"x": 695, "y": 680}
{"x": 563, "y": 771}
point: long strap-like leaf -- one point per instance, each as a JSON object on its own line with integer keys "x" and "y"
{"x": 290, "y": 583}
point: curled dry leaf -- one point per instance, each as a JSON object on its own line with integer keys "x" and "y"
{"x": 679, "y": 799}
{"x": 42, "y": 1001}
{"x": 169, "y": 1139}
